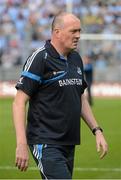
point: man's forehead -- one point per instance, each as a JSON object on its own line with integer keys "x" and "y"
{"x": 72, "y": 23}
{"x": 66, "y": 20}
{"x": 72, "y": 18}
{"x": 75, "y": 24}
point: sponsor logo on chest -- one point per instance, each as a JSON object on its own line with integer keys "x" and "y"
{"x": 67, "y": 82}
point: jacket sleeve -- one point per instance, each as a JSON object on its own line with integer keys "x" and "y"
{"x": 32, "y": 74}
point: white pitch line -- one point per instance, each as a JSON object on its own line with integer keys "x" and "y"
{"x": 76, "y": 169}
{"x": 98, "y": 169}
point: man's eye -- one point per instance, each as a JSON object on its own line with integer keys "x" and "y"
{"x": 73, "y": 31}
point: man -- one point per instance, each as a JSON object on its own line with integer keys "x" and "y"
{"x": 53, "y": 82}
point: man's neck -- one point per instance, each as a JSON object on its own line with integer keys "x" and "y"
{"x": 59, "y": 49}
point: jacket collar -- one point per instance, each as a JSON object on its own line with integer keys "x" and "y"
{"x": 51, "y": 50}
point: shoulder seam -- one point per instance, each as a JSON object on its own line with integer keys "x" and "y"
{"x": 32, "y": 57}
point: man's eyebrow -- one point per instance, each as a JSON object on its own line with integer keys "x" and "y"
{"x": 79, "y": 29}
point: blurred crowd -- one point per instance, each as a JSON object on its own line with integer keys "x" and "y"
{"x": 25, "y": 24}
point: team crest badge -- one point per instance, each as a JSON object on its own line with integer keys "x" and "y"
{"x": 79, "y": 70}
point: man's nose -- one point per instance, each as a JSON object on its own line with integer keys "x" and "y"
{"x": 78, "y": 34}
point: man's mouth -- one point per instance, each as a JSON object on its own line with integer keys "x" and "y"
{"x": 75, "y": 42}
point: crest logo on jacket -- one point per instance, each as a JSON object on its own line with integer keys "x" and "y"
{"x": 79, "y": 70}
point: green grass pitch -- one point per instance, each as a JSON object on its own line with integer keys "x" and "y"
{"x": 87, "y": 162}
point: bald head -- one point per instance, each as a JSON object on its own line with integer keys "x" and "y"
{"x": 62, "y": 18}
{"x": 66, "y": 30}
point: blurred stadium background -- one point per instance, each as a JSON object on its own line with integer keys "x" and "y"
{"x": 24, "y": 26}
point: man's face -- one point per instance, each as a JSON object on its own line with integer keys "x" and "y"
{"x": 70, "y": 34}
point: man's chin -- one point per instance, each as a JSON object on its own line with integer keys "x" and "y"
{"x": 74, "y": 47}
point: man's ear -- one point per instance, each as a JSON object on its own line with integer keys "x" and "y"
{"x": 57, "y": 33}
